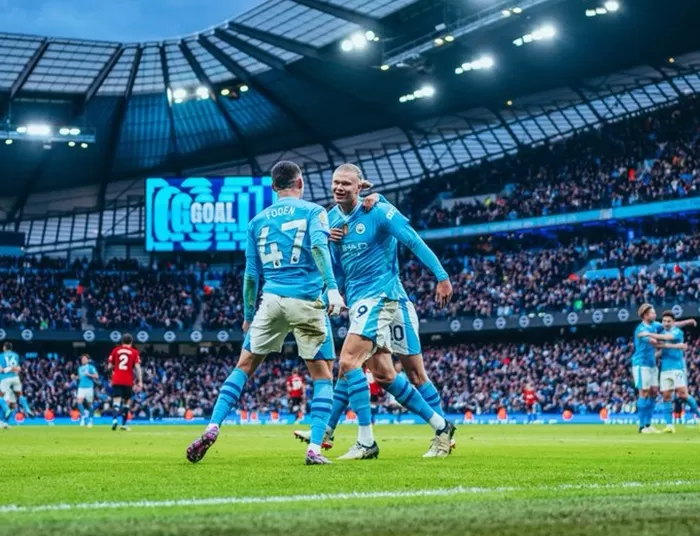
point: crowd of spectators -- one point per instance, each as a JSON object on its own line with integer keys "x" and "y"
{"x": 583, "y": 375}
{"x": 638, "y": 160}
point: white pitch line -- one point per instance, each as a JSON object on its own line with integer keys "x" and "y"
{"x": 440, "y": 492}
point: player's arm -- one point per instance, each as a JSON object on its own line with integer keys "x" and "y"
{"x": 673, "y": 346}
{"x": 397, "y": 225}
{"x": 251, "y": 278}
{"x": 321, "y": 254}
{"x": 139, "y": 375}
{"x": 687, "y": 322}
{"x": 110, "y": 362}
{"x": 370, "y": 201}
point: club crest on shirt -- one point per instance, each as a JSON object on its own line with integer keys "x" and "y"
{"x": 360, "y": 228}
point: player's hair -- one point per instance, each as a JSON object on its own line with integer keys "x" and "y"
{"x": 644, "y": 309}
{"x": 7, "y": 346}
{"x": 352, "y": 168}
{"x": 669, "y": 314}
{"x": 86, "y": 355}
{"x": 284, "y": 174}
{"x": 127, "y": 339}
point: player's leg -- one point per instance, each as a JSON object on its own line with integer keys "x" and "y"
{"x": 405, "y": 342}
{"x": 369, "y": 328}
{"x": 4, "y": 412}
{"x": 408, "y": 396}
{"x": 321, "y": 405}
{"x": 645, "y": 404}
{"x": 667, "y": 410}
{"x": 266, "y": 335}
{"x": 80, "y": 404}
{"x": 126, "y": 406}
{"x": 116, "y": 405}
{"x": 681, "y": 384}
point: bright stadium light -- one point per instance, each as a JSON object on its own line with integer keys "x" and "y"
{"x": 84, "y": 145}
{"x": 203, "y": 92}
{"x": 590, "y": 13}
{"x": 544, "y": 32}
{"x": 225, "y": 92}
{"x": 428, "y": 91}
{"x": 64, "y": 131}
{"x": 449, "y": 38}
{"x": 244, "y": 88}
{"x": 439, "y": 41}
{"x": 483, "y": 62}
{"x": 22, "y": 130}
{"x": 75, "y": 131}
{"x": 370, "y": 35}
{"x": 459, "y": 70}
{"x": 347, "y": 45}
{"x": 385, "y": 67}
{"x": 179, "y": 93}
{"x": 358, "y": 41}
{"x": 601, "y": 11}
{"x": 612, "y": 5}
{"x": 8, "y": 142}
{"x": 506, "y": 12}
{"x": 517, "y": 10}
{"x": 38, "y": 130}
{"x": 71, "y": 144}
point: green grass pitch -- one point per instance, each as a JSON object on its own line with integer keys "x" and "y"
{"x": 501, "y": 480}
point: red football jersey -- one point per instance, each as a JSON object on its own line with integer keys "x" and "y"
{"x": 123, "y": 360}
{"x": 530, "y": 397}
{"x": 295, "y": 386}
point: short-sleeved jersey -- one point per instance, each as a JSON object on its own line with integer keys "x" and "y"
{"x": 123, "y": 360}
{"x": 530, "y": 397}
{"x": 644, "y": 353}
{"x": 9, "y": 359}
{"x": 295, "y": 385}
{"x": 673, "y": 359}
{"x": 366, "y": 260}
{"x": 280, "y": 239}
{"x": 84, "y": 381}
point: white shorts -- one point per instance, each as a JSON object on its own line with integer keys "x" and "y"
{"x": 11, "y": 386}
{"x": 673, "y": 379}
{"x": 645, "y": 377}
{"x": 390, "y": 324}
{"x": 278, "y": 316}
{"x": 87, "y": 393}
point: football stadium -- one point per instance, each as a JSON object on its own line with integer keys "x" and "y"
{"x": 449, "y": 248}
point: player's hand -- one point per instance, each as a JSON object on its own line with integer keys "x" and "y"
{"x": 369, "y": 202}
{"x": 443, "y": 293}
{"x": 139, "y": 387}
{"x": 336, "y": 304}
{"x": 246, "y": 326}
{"x": 693, "y": 322}
{"x": 337, "y": 234}
{"x": 16, "y": 370}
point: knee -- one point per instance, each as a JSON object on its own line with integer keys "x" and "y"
{"x": 417, "y": 377}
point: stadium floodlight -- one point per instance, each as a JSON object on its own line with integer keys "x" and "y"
{"x": 75, "y": 131}
{"x": 506, "y": 12}
{"x": 402, "y": 98}
{"x": 591, "y": 13}
{"x": 518, "y": 42}
{"x": 8, "y": 141}
{"x": 179, "y": 94}
{"x": 439, "y": 41}
{"x": 84, "y": 145}
{"x": 64, "y": 131}
{"x": 39, "y": 130}
{"x": 22, "y": 130}
{"x": 244, "y": 88}
{"x": 370, "y": 35}
{"x": 202, "y": 92}
{"x": 347, "y": 45}
{"x": 71, "y": 144}
{"x": 449, "y": 38}
{"x": 612, "y": 5}
{"x": 544, "y": 32}
{"x": 509, "y": 103}
{"x": 225, "y": 92}
{"x": 358, "y": 41}
{"x": 428, "y": 91}
{"x": 385, "y": 67}
{"x": 483, "y": 62}
{"x": 601, "y": 11}
{"x": 517, "y": 10}
{"x": 672, "y": 60}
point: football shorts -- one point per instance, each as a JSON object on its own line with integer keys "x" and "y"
{"x": 404, "y": 330}
{"x": 673, "y": 379}
{"x": 10, "y": 387}
{"x": 645, "y": 377}
{"x": 86, "y": 393}
{"x": 125, "y": 392}
{"x": 372, "y": 318}
{"x": 278, "y": 316}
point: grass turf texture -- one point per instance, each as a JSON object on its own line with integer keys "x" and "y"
{"x": 514, "y": 479}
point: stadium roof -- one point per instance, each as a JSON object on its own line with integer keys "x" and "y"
{"x": 292, "y": 88}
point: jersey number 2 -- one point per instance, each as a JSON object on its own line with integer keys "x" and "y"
{"x": 275, "y": 255}
{"x": 123, "y": 362}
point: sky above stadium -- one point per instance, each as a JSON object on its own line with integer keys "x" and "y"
{"x": 119, "y": 20}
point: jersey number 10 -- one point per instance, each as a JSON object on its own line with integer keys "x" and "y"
{"x": 275, "y": 255}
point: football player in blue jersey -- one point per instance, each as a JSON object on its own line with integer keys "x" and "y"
{"x": 674, "y": 373}
{"x": 647, "y": 337}
{"x": 382, "y": 318}
{"x": 87, "y": 376}
{"x": 11, "y": 386}
{"x": 288, "y": 246}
